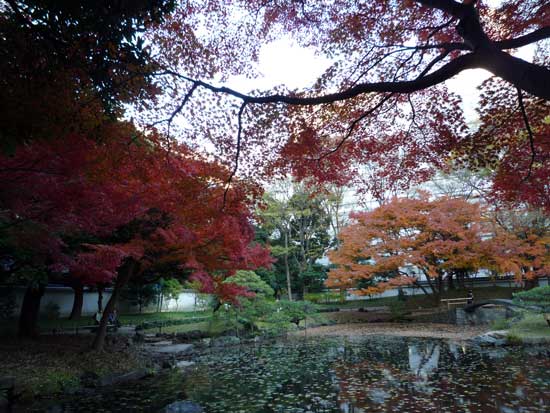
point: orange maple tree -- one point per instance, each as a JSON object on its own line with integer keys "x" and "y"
{"x": 380, "y": 248}
{"x": 413, "y": 239}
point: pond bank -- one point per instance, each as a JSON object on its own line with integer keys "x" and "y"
{"x": 425, "y": 330}
{"x": 375, "y": 373}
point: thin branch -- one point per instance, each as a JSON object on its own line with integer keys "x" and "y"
{"x": 179, "y": 109}
{"x": 352, "y": 126}
{"x": 237, "y": 155}
{"x": 433, "y": 62}
{"x": 176, "y": 111}
{"x": 529, "y": 133}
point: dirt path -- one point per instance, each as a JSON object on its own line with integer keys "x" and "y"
{"x": 395, "y": 329}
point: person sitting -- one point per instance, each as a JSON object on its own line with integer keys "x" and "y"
{"x": 113, "y": 318}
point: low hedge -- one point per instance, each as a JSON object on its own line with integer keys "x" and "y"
{"x": 326, "y": 297}
{"x": 146, "y": 325}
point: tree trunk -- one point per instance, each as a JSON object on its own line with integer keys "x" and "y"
{"x": 431, "y": 284}
{"x": 287, "y": 269}
{"x": 28, "y": 319}
{"x": 422, "y": 288}
{"x": 450, "y": 284}
{"x": 78, "y": 301}
{"x": 124, "y": 275}
{"x": 99, "y": 299}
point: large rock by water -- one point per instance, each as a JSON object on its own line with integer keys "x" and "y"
{"x": 173, "y": 349}
{"x": 492, "y": 338}
{"x": 225, "y": 341}
{"x": 185, "y": 406}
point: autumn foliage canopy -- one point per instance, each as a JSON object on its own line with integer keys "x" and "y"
{"x": 87, "y": 206}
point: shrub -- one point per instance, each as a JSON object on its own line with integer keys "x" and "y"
{"x": 398, "y": 311}
{"x": 146, "y": 325}
{"x": 294, "y": 311}
{"x": 253, "y": 282}
{"x": 537, "y": 299}
{"x": 500, "y": 324}
{"x": 326, "y": 297}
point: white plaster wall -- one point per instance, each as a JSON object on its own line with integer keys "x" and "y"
{"x": 64, "y": 296}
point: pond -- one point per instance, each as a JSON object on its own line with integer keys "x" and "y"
{"x": 343, "y": 376}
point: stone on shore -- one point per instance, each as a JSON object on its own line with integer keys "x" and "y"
{"x": 185, "y": 406}
{"x": 173, "y": 349}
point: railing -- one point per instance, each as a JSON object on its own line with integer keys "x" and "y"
{"x": 455, "y": 301}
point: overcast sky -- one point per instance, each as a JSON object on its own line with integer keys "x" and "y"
{"x": 284, "y": 62}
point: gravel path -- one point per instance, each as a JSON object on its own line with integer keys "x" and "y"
{"x": 395, "y": 329}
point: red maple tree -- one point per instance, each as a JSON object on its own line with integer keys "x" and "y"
{"x": 138, "y": 201}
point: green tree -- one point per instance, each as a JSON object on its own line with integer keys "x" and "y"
{"x": 170, "y": 289}
{"x": 253, "y": 282}
{"x": 296, "y": 226}
{"x": 140, "y": 294}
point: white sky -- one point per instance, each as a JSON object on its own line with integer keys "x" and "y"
{"x": 284, "y": 62}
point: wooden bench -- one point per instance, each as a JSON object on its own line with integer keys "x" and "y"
{"x": 455, "y": 301}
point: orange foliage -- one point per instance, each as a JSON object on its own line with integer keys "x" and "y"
{"x": 438, "y": 238}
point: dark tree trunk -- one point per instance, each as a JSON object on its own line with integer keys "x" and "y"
{"x": 124, "y": 275}
{"x": 28, "y": 319}
{"x": 532, "y": 283}
{"x": 422, "y": 288}
{"x": 431, "y": 284}
{"x": 99, "y": 299}
{"x": 287, "y": 269}
{"x": 78, "y": 301}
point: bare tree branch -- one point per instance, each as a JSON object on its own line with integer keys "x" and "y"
{"x": 353, "y": 125}
{"x": 237, "y": 155}
{"x": 529, "y": 133}
{"x": 534, "y": 36}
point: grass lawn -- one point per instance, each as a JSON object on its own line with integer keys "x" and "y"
{"x": 214, "y": 328}
{"x": 9, "y": 327}
{"x": 422, "y": 301}
{"x": 531, "y": 328}
{"x": 135, "y": 319}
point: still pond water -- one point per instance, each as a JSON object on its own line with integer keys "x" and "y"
{"x": 343, "y": 376}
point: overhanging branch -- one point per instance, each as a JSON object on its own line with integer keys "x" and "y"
{"x": 445, "y": 72}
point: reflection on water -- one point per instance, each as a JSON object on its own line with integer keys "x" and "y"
{"x": 338, "y": 375}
